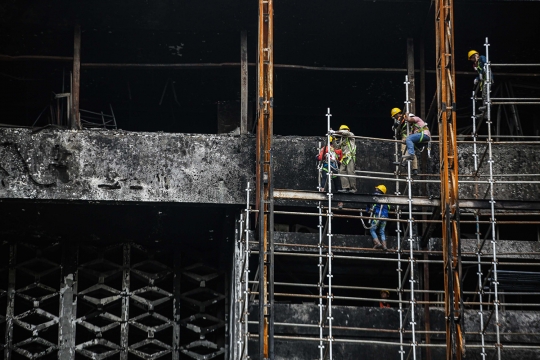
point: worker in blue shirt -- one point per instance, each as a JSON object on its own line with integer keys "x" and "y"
{"x": 379, "y": 212}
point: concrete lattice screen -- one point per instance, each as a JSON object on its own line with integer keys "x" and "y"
{"x": 129, "y": 301}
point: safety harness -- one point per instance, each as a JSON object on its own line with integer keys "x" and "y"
{"x": 373, "y": 216}
{"x": 350, "y": 155}
{"x": 332, "y": 156}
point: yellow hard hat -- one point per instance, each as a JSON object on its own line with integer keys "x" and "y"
{"x": 382, "y": 188}
{"x": 395, "y": 111}
{"x": 471, "y": 53}
{"x": 344, "y": 127}
{"x": 385, "y": 291}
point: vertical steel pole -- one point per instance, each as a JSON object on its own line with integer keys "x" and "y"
{"x": 246, "y": 278}
{"x": 478, "y": 237}
{"x": 330, "y": 254}
{"x": 398, "y": 236}
{"x": 422, "y": 81}
{"x": 76, "y": 119}
{"x": 444, "y": 24}
{"x": 321, "y": 283}
{"x": 410, "y": 73}
{"x": 238, "y": 288}
{"x": 411, "y": 262}
{"x": 244, "y": 83}
{"x": 493, "y": 221}
{"x": 264, "y": 175}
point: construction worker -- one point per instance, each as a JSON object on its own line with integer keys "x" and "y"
{"x": 385, "y": 294}
{"x": 379, "y": 211}
{"x": 345, "y": 142}
{"x": 479, "y": 62}
{"x": 419, "y": 132}
{"x": 334, "y": 158}
{"x": 400, "y": 127}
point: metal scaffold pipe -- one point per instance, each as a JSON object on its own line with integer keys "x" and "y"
{"x": 494, "y": 232}
{"x": 330, "y": 255}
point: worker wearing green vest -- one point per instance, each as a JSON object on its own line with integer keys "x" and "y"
{"x": 345, "y": 142}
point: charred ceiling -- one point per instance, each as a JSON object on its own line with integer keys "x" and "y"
{"x": 322, "y": 35}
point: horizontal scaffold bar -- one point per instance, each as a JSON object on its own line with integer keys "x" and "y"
{"x": 304, "y": 195}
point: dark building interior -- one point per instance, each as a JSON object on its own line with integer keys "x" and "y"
{"x": 324, "y": 46}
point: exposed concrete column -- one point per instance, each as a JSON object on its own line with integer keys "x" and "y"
{"x": 68, "y": 306}
{"x": 76, "y": 81}
{"x": 410, "y": 73}
{"x": 177, "y": 277}
{"x": 244, "y": 82}
{"x": 10, "y": 311}
{"x": 124, "y": 326}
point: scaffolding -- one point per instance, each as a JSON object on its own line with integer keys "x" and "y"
{"x": 324, "y": 251}
{"x": 256, "y": 288}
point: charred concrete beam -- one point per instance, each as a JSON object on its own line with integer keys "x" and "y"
{"x": 124, "y": 166}
{"x": 204, "y": 168}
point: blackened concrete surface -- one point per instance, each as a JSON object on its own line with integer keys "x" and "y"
{"x": 124, "y": 166}
{"x": 202, "y": 168}
{"x": 520, "y": 328}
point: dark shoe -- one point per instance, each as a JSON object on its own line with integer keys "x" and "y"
{"x": 343, "y": 190}
{"x": 383, "y": 244}
{"x": 377, "y": 244}
{"x": 415, "y": 172}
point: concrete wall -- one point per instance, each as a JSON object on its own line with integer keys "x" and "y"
{"x": 512, "y": 325}
{"x": 197, "y": 168}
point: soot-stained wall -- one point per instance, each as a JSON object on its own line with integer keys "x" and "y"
{"x": 202, "y": 168}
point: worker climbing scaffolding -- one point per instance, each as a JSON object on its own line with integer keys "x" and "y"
{"x": 402, "y": 131}
{"x": 378, "y": 212}
{"x": 480, "y": 83}
{"x": 329, "y": 160}
{"x": 418, "y": 135}
{"x": 345, "y": 142}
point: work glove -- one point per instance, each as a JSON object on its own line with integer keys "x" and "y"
{"x": 331, "y": 132}
{"x": 475, "y": 81}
